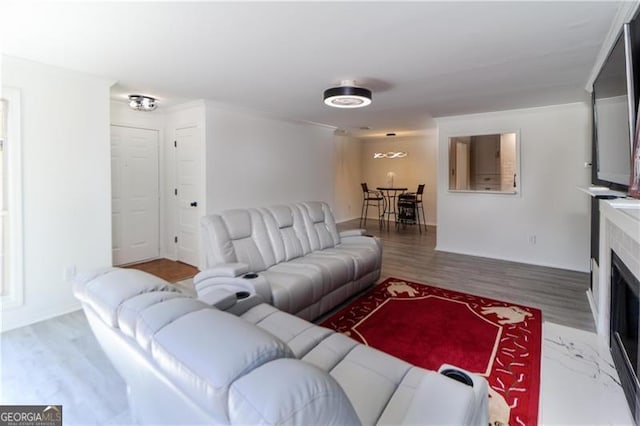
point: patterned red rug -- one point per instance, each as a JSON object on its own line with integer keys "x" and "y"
{"x": 428, "y": 326}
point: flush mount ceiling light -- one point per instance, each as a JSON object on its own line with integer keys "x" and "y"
{"x": 347, "y": 95}
{"x": 142, "y": 103}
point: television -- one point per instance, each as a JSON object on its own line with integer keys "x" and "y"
{"x": 614, "y": 115}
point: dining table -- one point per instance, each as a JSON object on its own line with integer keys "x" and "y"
{"x": 390, "y": 195}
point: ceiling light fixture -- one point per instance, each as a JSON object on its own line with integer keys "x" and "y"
{"x": 347, "y": 95}
{"x": 142, "y": 103}
{"x": 390, "y": 154}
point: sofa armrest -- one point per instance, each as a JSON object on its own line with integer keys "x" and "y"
{"x": 229, "y": 270}
{"x": 253, "y": 283}
{"x": 363, "y": 240}
{"x": 352, "y": 233}
{"x": 441, "y": 400}
{"x": 359, "y": 239}
{"x": 220, "y": 298}
{"x": 480, "y": 412}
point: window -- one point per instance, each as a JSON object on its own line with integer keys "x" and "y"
{"x": 11, "y": 277}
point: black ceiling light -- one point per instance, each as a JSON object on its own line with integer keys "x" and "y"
{"x": 347, "y": 95}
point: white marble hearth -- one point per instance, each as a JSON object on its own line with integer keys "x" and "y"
{"x": 579, "y": 384}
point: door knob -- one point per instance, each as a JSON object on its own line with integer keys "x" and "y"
{"x": 194, "y": 204}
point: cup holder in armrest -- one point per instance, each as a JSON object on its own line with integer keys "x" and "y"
{"x": 458, "y": 376}
{"x": 242, "y": 295}
{"x": 250, "y": 276}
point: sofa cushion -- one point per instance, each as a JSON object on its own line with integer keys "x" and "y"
{"x": 365, "y": 258}
{"x": 109, "y": 289}
{"x": 365, "y": 368}
{"x": 336, "y": 271}
{"x": 237, "y": 236}
{"x": 205, "y": 351}
{"x": 330, "y": 352}
{"x": 289, "y": 392}
{"x": 320, "y": 224}
{"x": 293, "y": 288}
{"x": 285, "y": 241}
{"x": 301, "y": 336}
{"x": 157, "y": 316}
{"x": 130, "y": 310}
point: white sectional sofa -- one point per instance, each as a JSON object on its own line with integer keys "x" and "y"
{"x": 186, "y": 362}
{"x": 292, "y": 256}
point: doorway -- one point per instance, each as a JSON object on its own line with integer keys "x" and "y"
{"x": 135, "y": 200}
{"x": 188, "y": 191}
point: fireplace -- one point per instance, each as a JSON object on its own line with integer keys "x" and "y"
{"x": 625, "y": 316}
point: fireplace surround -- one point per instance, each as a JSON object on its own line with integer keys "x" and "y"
{"x": 619, "y": 250}
{"x": 623, "y": 336}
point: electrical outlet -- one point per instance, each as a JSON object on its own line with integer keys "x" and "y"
{"x": 532, "y": 239}
{"x": 70, "y": 273}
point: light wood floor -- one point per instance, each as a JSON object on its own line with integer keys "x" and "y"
{"x": 59, "y": 361}
{"x": 560, "y": 294}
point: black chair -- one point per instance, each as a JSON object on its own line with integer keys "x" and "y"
{"x": 374, "y": 199}
{"x": 409, "y": 207}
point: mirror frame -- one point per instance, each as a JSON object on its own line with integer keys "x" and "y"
{"x": 518, "y": 188}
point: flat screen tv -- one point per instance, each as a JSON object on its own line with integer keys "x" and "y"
{"x": 614, "y": 112}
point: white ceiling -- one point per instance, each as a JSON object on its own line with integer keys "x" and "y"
{"x": 420, "y": 59}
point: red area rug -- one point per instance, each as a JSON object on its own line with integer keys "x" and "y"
{"x": 428, "y": 326}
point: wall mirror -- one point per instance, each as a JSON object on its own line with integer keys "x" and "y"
{"x": 484, "y": 163}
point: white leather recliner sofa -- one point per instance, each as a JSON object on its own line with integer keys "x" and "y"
{"x": 291, "y": 255}
{"x": 186, "y": 362}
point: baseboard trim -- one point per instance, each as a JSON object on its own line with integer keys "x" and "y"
{"x": 516, "y": 260}
{"x": 12, "y": 325}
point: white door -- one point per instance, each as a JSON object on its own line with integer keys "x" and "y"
{"x": 188, "y": 176}
{"x": 134, "y": 194}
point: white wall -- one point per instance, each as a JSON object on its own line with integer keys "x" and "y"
{"x": 348, "y": 174}
{"x": 254, "y": 160}
{"x": 555, "y": 144}
{"x": 419, "y": 166}
{"x": 66, "y": 183}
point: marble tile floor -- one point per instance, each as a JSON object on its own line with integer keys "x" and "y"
{"x": 60, "y": 362}
{"x": 579, "y": 383}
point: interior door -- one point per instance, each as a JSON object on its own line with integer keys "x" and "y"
{"x": 188, "y": 176}
{"x": 134, "y": 195}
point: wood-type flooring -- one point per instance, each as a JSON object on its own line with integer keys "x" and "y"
{"x": 559, "y": 293}
{"x": 166, "y": 269}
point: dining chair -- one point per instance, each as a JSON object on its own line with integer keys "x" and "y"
{"x": 410, "y": 206}
{"x": 373, "y": 199}
{"x": 419, "y": 204}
